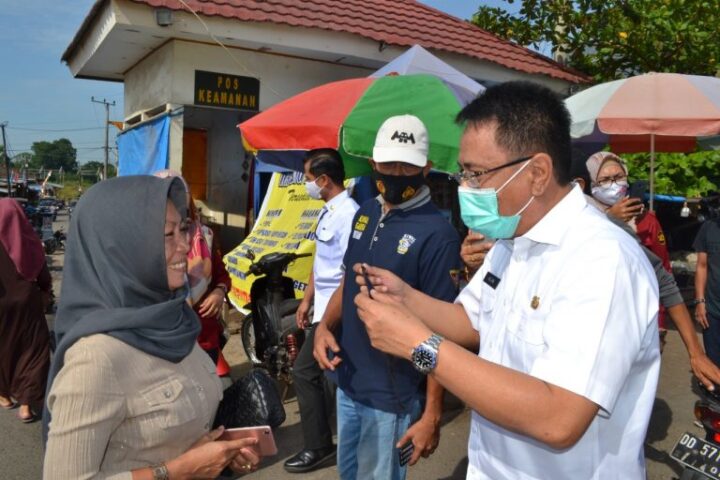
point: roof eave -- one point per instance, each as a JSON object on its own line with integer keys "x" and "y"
{"x": 82, "y": 31}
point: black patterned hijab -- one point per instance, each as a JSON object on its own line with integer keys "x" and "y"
{"x": 115, "y": 274}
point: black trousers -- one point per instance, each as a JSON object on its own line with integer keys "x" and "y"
{"x": 311, "y": 389}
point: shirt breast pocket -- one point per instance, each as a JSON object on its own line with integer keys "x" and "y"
{"x": 324, "y": 234}
{"x": 524, "y": 337}
{"x": 527, "y": 325}
{"x": 169, "y": 403}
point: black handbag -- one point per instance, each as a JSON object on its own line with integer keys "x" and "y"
{"x": 251, "y": 401}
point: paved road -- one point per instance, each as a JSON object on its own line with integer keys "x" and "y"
{"x": 21, "y": 453}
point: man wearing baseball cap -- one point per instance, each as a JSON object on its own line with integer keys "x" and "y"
{"x": 382, "y": 424}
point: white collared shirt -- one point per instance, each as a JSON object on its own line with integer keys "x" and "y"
{"x": 332, "y": 236}
{"x": 575, "y": 306}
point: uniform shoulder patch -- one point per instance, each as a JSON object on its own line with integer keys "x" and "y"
{"x": 362, "y": 223}
{"x": 360, "y": 226}
{"x": 404, "y": 244}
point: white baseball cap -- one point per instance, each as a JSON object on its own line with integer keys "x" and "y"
{"x": 402, "y": 138}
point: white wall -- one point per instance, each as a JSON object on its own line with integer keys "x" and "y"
{"x": 149, "y": 84}
{"x": 168, "y": 75}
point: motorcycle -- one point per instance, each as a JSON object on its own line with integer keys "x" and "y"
{"x": 57, "y": 240}
{"x": 700, "y": 457}
{"x": 270, "y": 336}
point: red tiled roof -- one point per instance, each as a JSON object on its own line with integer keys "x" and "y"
{"x": 396, "y": 22}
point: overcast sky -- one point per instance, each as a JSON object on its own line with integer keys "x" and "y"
{"x": 42, "y": 101}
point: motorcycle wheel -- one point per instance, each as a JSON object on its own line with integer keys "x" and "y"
{"x": 247, "y": 335}
{"x": 247, "y": 332}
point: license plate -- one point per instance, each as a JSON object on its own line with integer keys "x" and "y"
{"x": 698, "y": 454}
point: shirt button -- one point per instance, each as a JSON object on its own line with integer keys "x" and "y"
{"x": 382, "y": 225}
{"x": 375, "y": 239}
{"x": 167, "y": 393}
{"x": 200, "y": 389}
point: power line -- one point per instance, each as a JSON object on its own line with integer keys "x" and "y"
{"x": 210, "y": 34}
{"x": 56, "y": 129}
{"x": 107, "y": 131}
{"x": 81, "y": 146}
{"x": 56, "y": 122}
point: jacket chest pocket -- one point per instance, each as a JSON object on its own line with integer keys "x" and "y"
{"x": 169, "y": 403}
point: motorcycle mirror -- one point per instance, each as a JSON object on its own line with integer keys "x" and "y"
{"x": 250, "y": 254}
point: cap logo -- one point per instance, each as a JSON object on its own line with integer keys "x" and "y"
{"x": 403, "y": 137}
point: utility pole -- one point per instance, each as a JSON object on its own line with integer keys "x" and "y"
{"x": 7, "y": 158}
{"x": 107, "y": 132}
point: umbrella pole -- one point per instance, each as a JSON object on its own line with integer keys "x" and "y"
{"x": 652, "y": 172}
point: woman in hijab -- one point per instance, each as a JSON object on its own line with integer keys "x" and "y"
{"x": 609, "y": 183}
{"x": 131, "y": 394}
{"x": 609, "y": 187}
{"x": 25, "y": 290}
{"x": 208, "y": 279}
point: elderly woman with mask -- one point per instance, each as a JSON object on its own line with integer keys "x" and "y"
{"x": 131, "y": 394}
{"x": 609, "y": 186}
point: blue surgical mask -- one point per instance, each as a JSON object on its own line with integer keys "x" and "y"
{"x": 480, "y": 213}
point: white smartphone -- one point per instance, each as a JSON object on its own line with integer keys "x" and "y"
{"x": 266, "y": 442}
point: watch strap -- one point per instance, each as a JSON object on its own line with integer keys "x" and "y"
{"x": 434, "y": 341}
{"x": 160, "y": 472}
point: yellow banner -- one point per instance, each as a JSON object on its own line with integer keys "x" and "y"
{"x": 286, "y": 223}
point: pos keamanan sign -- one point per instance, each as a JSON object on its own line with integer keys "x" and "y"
{"x": 228, "y": 91}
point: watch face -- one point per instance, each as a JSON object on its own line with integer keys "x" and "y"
{"x": 424, "y": 359}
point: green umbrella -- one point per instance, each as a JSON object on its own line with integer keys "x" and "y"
{"x": 346, "y": 116}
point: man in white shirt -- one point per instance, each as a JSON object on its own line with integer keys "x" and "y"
{"x": 324, "y": 175}
{"x": 563, "y": 310}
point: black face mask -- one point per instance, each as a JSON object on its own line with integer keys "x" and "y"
{"x": 397, "y": 189}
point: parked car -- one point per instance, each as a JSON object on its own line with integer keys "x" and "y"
{"x": 47, "y": 206}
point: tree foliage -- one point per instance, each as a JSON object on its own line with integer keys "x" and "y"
{"x": 691, "y": 175}
{"x": 95, "y": 166}
{"x": 55, "y": 154}
{"x": 22, "y": 159}
{"x": 611, "y": 39}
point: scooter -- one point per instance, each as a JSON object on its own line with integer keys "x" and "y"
{"x": 700, "y": 457}
{"x": 270, "y": 336}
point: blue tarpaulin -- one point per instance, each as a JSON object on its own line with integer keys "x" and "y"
{"x": 144, "y": 149}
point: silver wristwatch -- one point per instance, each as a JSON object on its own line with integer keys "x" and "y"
{"x": 424, "y": 356}
{"x": 160, "y": 472}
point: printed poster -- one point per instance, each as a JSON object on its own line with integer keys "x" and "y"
{"x": 286, "y": 223}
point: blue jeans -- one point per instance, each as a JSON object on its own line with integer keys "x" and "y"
{"x": 366, "y": 440}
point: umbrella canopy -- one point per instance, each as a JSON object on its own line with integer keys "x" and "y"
{"x": 346, "y": 116}
{"x": 655, "y": 112}
{"x": 675, "y": 108}
{"x": 418, "y": 60}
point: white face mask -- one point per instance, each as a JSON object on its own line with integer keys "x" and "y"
{"x": 313, "y": 189}
{"x": 611, "y": 194}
